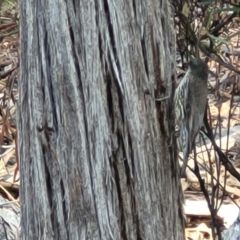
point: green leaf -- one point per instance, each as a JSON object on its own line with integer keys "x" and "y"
{"x": 217, "y": 39}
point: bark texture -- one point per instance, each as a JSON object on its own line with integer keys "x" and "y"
{"x": 96, "y": 150}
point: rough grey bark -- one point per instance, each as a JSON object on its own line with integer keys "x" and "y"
{"x": 96, "y": 151}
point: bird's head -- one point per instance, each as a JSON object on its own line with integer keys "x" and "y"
{"x": 198, "y": 67}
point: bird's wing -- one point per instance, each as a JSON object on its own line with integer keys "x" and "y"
{"x": 181, "y": 105}
{"x": 183, "y": 111}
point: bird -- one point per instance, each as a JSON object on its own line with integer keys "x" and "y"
{"x": 190, "y": 99}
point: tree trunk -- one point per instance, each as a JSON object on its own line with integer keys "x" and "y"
{"x": 98, "y": 160}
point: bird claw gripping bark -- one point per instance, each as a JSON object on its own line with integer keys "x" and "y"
{"x": 189, "y": 106}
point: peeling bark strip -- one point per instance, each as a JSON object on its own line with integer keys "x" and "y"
{"x": 93, "y": 142}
